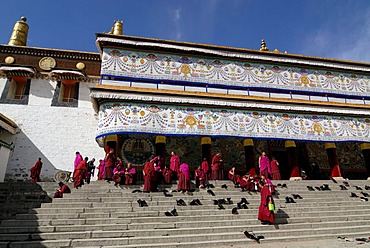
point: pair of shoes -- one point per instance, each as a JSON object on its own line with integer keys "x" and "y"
{"x": 296, "y": 196}
{"x": 358, "y": 188}
{"x": 364, "y": 199}
{"x": 180, "y": 202}
{"x": 142, "y": 203}
{"x": 224, "y": 186}
{"x": 241, "y": 205}
{"x": 289, "y": 199}
{"x": 195, "y": 202}
{"x": 211, "y": 192}
{"x": 353, "y": 195}
{"x": 251, "y": 236}
{"x": 367, "y": 187}
{"x": 365, "y": 194}
{"x": 342, "y": 187}
{"x": 171, "y": 213}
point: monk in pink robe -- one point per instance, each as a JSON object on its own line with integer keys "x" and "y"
{"x": 109, "y": 163}
{"x": 205, "y": 168}
{"x": 217, "y": 167}
{"x": 101, "y": 169}
{"x": 174, "y": 164}
{"x": 264, "y": 164}
{"x": 200, "y": 177}
{"x": 64, "y": 189}
{"x": 264, "y": 214}
{"x": 184, "y": 178}
{"x": 79, "y": 173}
{"x": 275, "y": 172}
{"x": 36, "y": 171}
{"x": 78, "y": 159}
{"x": 149, "y": 174}
{"x": 130, "y": 174}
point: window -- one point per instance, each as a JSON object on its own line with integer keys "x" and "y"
{"x": 16, "y": 91}
{"x": 66, "y": 94}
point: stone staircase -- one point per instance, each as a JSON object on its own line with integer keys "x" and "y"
{"x": 102, "y": 215}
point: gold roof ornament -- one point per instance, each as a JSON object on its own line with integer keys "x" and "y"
{"x": 263, "y": 46}
{"x": 20, "y": 33}
{"x": 117, "y": 29}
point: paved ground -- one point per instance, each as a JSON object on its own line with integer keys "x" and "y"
{"x": 329, "y": 243}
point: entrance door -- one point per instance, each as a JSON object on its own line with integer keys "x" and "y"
{"x": 282, "y": 158}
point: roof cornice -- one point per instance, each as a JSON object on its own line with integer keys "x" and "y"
{"x": 49, "y": 52}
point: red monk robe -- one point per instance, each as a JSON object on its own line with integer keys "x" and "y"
{"x": 118, "y": 174}
{"x": 200, "y": 177}
{"x": 233, "y": 177}
{"x": 149, "y": 174}
{"x": 130, "y": 174}
{"x": 109, "y": 163}
{"x": 167, "y": 174}
{"x": 79, "y": 173}
{"x": 36, "y": 171}
{"x": 184, "y": 178}
{"x": 217, "y": 167}
{"x": 264, "y": 214}
{"x": 205, "y": 168}
{"x": 174, "y": 164}
{"x": 247, "y": 183}
{"x": 101, "y": 169}
{"x": 64, "y": 189}
{"x": 275, "y": 172}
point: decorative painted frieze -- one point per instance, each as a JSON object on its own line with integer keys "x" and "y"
{"x": 228, "y": 73}
{"x": 122, "y": 117}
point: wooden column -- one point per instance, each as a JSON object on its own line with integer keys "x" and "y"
{"x": 160, "y": 147}
{"x": 295, "y": 171}
{"x": 365, "y": 148}
{"x": 333, "y": 161}
{"x": 206, "y": 143}
{"x": 250, "y": 162}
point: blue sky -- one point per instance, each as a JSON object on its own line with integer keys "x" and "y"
{"x": 325, "y": 28}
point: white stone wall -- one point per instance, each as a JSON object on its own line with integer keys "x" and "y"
{"x": 52, "y": 133}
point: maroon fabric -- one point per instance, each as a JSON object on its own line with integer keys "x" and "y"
{"x": 200, "y": 177}
{"x": 233, "y": 177}
{"x": 275, "y": 172}
{"x": 205, "y": 168}
{"x": 264, "y": 214}
{"x": 217, "y": 174}
{"x": 109, "y": 163}
{"x": 217, "y": 168}
{"x": 148, "y": 173}
{"x": 129, "y": 176}
{"x": 174, "y": 163}
{"x": 264, "y": 173}
{"x": 246, "y": 184}
{"x": 183, "y": 184}
{"x": 79, "y": 174}
{"x": 167, "y": 174}
{"x": 36, "y": 171}
{"x": 63, "y": 190}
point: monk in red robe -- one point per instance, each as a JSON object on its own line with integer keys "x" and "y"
{"x": 174, "y": 164}
{"x": 79, "y": 173}
{"x": 118, "y": 174}
{"x": 247, "y": 183}
{"x": 184, "y": 178}
{"x": 200, "y": 177}
{"x": 167, "y": 174}
{"x": 275, "y": 172}
{"x": 149, "y": 174}
{"x": 233, "y": 177}
{"x": 109, "y": 163}
{"x": 64, "y": 189}
{"x": 269, "y": 184}
{"x": 101, "y": 169}
{"x": 205, "y": 168}
{"x": 217, "y": 167}
{"x": 130, "y": 174}
{"x": 264, "y": 214}
{"x": 36, "y": 171}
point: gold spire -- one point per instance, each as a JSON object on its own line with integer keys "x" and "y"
{"x": 20, "y": 33}
{"x": 117, "y": 29}
{"x": 263, "y": 46}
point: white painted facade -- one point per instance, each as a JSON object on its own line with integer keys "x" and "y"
{"x": 52, "y": 133}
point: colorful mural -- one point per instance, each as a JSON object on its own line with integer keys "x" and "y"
{"x": 171, "y": 67}
{"x": 129, "y": 118}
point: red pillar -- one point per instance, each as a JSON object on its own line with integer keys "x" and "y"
{"x": 333, "y": 161}
{"x": 365, "y": 147}
{"x": 250, "y": 162}
{"x": 291, "y": 149}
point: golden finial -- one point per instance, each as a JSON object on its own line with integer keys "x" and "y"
{"x": 263, "y": 46}
{"x": 117, "y": 29}
{"x": 20, "y": 33}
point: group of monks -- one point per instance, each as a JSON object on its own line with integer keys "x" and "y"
{"x": 112, "y": 169}
{"x": 83, "y": 170}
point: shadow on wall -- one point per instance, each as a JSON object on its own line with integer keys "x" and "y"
{"x": 23, "y": 156}
{"x": 19, "y": 218}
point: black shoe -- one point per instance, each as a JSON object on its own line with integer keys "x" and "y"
{"x": 251, "y": 236}
{"x": 229, "y": 201}
{"x": 346, "y": 183}
{"x": 318, "y": 188}
{"x": 220, "y": 207}
{"x": 222, "y": 201}
{"x": 365, "y": 194}
{"x": 296, "y": 196}
{"x": 193, "y": 203}
{"x": 244, "y": 200}
{"x": 284, "y": 185}
{"x": 278, "y": 185}
{"x": 234, "y": 211}
{"x": 237, "y": 185}
{"x": 358, "y": 188}
{"x": 364, "y": 199}
{"x": 166, "y": 194}
{"x": 198, "y": 202}
{"x": 310, "y": 188}
{"x": 137, "y": 191}
{"x": 180, "y": 202}
{"x": 174, "y": 212}
{"x": 367, "y": 187}
{"x": 223, "y": 186}
{"x": 215, "y": 202}
{"x": 353, "y": 195}
{"x": 244, "y": 206}
{"x": 211, "y": 192}
{"x": 342, "y": 187}
{"x": 333, "y": 180}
